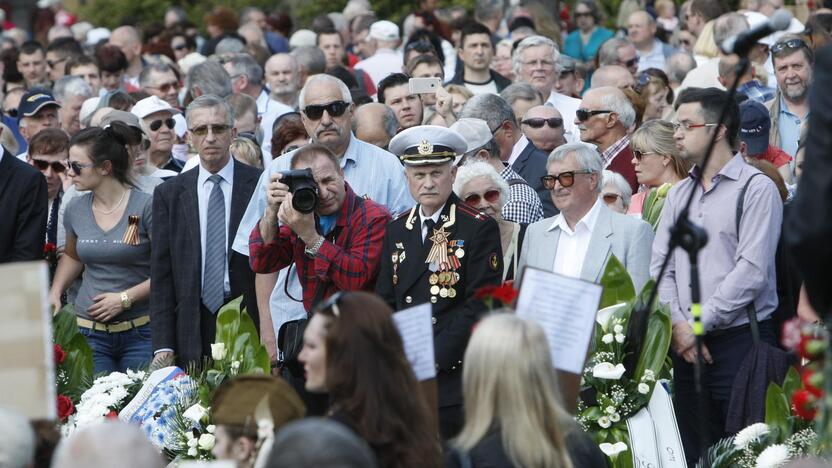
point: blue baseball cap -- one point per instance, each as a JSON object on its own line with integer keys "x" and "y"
{"x": 34, "y": 100}
{"x": 755, "y": 125}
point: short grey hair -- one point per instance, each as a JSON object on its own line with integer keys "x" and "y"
{"x": 100, "y": 444}
{"x": 345, "y": 92}
{"x": 679, "y": 64}
{"x": 587, "y": 157}
{"x": 154, "y": 67}
{"x": 515, "y": 91}
{"x": 729, "y": 24}
{"x": 210, "y": 101}
{"x": 17, "y": 443}
{"x": 68, "y": 86}
{"x": 488, "y": 9}
{"x": 210, "y": 77}
{"x": 491, "y": 108}
{"x": 246, "y": 13}
{"x": 473, "y": 169}
{"x": 532, "y": 41}
{"x": 311, "y": 58}
{"x": 244, "y": 64}
{"x": 229, "y": 45}
{"x": 608, "y": 52}
{"x": 613, "y": 178}
{"x": 617, "y": 102}
{"x": 491, "y": 146}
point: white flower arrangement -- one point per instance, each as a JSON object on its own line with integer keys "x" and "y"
{"x": 608, "y": 371}
{"x": 752, "y": 433}
{"x": 107, "y": 394}
{"x": 613, "y": 450}
{"x": 774, "y": 456}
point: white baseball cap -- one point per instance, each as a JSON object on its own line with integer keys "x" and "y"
{"x": 384, "y": 31}
{"x": 475, "y": 132}
{"x": 151, "y": 105}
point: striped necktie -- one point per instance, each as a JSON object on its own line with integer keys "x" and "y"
{"x": 213, "y": 282}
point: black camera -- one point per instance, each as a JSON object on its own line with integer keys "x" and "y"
{"x": 304, "y": 189}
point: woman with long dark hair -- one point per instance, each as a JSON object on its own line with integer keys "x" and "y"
{"x": 352, "y": 349}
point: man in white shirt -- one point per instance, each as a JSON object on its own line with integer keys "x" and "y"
{"x": 641, "y": 30}
{"x": 580, "y": 240}
{"x": 386, "y": 59}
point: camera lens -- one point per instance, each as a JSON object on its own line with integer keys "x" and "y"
{"x": 304, "y": 200}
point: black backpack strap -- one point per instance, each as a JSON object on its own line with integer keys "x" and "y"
{"x": 750, "y": 309}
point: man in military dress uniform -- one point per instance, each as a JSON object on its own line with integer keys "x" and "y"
{"x": 441, "y": 251}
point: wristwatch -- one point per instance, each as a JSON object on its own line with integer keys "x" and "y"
{"x": 126, "y": 303}
{"x": 312, "y": 251}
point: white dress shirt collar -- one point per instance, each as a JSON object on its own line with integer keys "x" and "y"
{"x": 434, "y": 217}
{"x": 227, "y": 172}
{"x": 517, "y": 149}
{"x": 588, "y": 221}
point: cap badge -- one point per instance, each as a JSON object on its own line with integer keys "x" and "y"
{"x": 425, "y": 147}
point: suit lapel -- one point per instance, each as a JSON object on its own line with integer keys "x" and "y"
{"x": 5, "y": 171}
{"x": 545, "y": 258}
{"x": 522, "y": 159}
{"x": 599, "y": 246}
{"x": 189, "y": 210}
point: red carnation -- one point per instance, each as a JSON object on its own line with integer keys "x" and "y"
{"x": 49, "y": 248}
{"x": 65, "y": 407}
{"x": 505, "y": 293}
{"x": 485, "y": 292}
{"x": 111, "y": 415}
{"x": 812, "y": 381}
{"x": 60, "y": 354}
{"x": 803, "y": 405}
{"x": 810, "y": 347}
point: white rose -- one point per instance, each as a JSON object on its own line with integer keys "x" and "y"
{"x": 618, "y": 328}
{"x": 192, "y": 452}
{"x": 604, "y": 422}
{"x": 235, "y": 365}
{"x": 192, "y": 441}
{"x": 607, "y": 339}
{"x": 608, "y": 371}
{"x": 218, "y": 351}
{"x": 196, "y": 413}
{"x": 211, "y": 428}
{"x": 610, "y": 409}
{"x": 773, "y": 456}
{"x": 612, "y": 450}
{"x": 615, "y": 417}
{"x": 206, "y": 441}
{"x": 643, "y": 388}
{"x": 619, "y": 338}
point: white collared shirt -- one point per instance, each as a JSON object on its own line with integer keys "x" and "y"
{"x": 434, "y": 217}
{"x": 203, "y": 195}
{"x": 573, "y": 245}
{"x": 568, "y": 107}
{"x": 517, "y": 149}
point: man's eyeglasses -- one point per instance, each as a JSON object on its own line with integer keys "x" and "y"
{"x": 77, "y": 167}
{"x": 690, "y": 126}
{"x": 43, "y": 165}
{"x": 566, "y": 179}
{"x": 630, "y": 63}
{"x": 795, "y": 43}
{"x": 490, "y": 196}
{"x": 553, "y": 122}
{"x": 610, "y": 198}
{"x": 640, "y": 154}
{"x": 334, "y": 109}
{"x": 157, "y": 124}
{"x": 55, "y": 63}
{"x": 167, "y": 87}
{"x": 584, "y": 114}
{"x": 202, "y": 130}
{"x": 180, "y": 47}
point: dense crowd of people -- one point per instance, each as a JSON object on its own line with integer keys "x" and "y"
{"x": 330, "y": 176}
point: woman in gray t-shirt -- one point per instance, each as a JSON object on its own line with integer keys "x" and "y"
{"x": 108, "y": 238}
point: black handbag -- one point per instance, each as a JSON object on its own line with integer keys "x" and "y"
{"x": 290, "y": 343}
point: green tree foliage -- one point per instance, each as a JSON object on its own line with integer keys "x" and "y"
{"x": 113, "y": 13}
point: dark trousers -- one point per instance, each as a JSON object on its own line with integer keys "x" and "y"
{"x": 451, "y": 419}
{"x": 728, "y": 349}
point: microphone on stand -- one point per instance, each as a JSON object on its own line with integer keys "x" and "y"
{"x": 742, "y": 43}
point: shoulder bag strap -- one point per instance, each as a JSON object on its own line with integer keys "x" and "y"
{"x": 750, "y": 309}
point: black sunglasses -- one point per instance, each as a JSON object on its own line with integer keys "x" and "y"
{"x": 334, "y": 109}
{"x": 552, "y": 122}
{"x": 640, "y": 154}
{"x": 77, "y": 167}
{"x": 788, "y": 44}
{"x": 642, "y": 82}
{"x": 584, "y": 114}
{"x": 180, "y": 47}
{"x": 57, "y": 166}
{"x": 566, "y": 179}
{"x": 490, "y": 196}
{"x": 630, "y": 63}
{"x": 157, "y": 124}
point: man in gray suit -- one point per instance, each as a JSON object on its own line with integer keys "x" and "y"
{"x": 580, "y": 240}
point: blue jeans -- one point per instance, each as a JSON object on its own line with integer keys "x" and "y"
{"x": 117, "y": 352}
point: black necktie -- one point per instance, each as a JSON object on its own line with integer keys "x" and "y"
{"x": 429, "y": 223}
{"x": 52, "y": 223}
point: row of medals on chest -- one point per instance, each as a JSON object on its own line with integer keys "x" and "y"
{"x": 443, "y": 259}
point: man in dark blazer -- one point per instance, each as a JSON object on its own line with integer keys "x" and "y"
{"x": 531, "y": 164}
{"x": 23, "y": 203}
{"x": 195, "y": 215}
{"x": 440, "y": 252}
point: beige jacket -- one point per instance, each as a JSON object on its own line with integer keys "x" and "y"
{"x": 774, "y": 113}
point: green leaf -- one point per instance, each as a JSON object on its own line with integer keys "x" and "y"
{"x": 618, "y": 287}
{"x": 777, "y": 411}
{"x": 656, "y": 342}
{"x": 791, "y": 383}
{"x": 64, "y": 326}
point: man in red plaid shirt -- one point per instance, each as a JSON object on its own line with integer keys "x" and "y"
{"x": 335, "y": 248}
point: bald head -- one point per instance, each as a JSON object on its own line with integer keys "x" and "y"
{"x": 282, "y": 75}
{"x": 612, "y": 75}
{"x": 537, "y": 126}
{"x": 128, "y": 40}
{"x": 375, "y": 123}
{"x": 641, "y": 29}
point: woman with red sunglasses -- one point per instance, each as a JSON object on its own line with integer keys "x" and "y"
{"x": 479, "y": 186}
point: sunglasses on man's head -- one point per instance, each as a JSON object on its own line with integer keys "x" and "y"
{"x": 43, "y": 165}
{"x": 566, "y": 179}
{"x": 334, "y": 109}
{"x": 157, "y": 124}
{"x": 553, "y": 122}
{"x": 490, "y": 196}
{"x": 202, "y": 130}
{"x": 584, "y": 114}
{"x": 788, "y": 44}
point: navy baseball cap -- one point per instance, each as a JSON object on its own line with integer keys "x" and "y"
{"x": 34, "y": 100}
{"x": 755, "y": 125}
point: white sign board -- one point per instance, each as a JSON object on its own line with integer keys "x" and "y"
{"x": 416, "y": 328}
